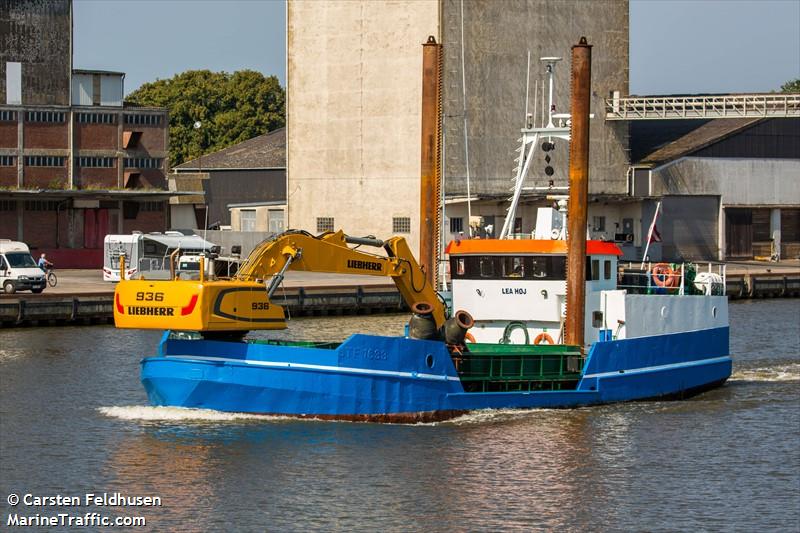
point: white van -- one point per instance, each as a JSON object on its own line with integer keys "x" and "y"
{"x": 18, "y": 270}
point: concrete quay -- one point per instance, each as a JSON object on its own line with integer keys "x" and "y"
{"x": 82, "y": 297}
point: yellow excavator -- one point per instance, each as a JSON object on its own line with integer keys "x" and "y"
{"x": 234, "y": 306}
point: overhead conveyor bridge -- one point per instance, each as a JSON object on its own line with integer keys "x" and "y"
{"x": 703, "y": 107}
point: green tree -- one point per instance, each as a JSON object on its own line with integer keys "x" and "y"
{"x": 231, "y": 107}
{"x": 791, "y": 86}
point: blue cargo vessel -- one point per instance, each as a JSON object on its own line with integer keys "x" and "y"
{"x": 650, "y": 342}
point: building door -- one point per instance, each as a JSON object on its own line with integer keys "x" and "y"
{"x": 738, "y": 233}
{"x": 95, "y": 227}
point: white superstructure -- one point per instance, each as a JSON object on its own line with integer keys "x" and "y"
{"x": 516, "y": 292}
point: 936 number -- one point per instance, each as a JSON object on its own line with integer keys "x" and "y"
{"x": 149, "y": 296}
{"x": 260, "y": 306}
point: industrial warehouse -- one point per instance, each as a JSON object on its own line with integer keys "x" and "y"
{"x": 717, "y": 173}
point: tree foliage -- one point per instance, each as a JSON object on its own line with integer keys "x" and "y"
{"x": 791, "y": 86}
{"x": 231, "y": 108}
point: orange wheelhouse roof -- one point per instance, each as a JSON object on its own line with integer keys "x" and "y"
{"x": 525, "y": 247}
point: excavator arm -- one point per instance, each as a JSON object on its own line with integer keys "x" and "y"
{"x": 244, "y": 302}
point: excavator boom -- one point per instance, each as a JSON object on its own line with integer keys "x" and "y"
{"x": 243, "y": 303}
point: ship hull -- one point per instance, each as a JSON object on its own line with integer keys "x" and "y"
{"x": 405, "y": 380}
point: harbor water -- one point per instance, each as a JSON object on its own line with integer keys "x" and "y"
{"x": 74, "y": 420}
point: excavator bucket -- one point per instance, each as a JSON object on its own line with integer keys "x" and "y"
{"x": 184, "y": 305}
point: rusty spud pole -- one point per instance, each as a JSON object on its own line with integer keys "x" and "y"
{"x": 430, "y": 170}
{"x": 578, "y": 193}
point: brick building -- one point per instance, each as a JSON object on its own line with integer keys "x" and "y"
{"x": 75, "y": 162}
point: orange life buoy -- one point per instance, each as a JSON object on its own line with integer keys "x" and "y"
{"x": 468, "y": 337}
{"x": 543, "y": 337}
{"x": 664, "y": 276}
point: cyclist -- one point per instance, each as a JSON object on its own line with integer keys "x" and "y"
{"x": 43, "y": 263}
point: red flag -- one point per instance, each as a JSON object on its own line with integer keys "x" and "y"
{"x": 655, "y": 236}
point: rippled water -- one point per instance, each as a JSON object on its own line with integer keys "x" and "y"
{"x": 74, "y": 419}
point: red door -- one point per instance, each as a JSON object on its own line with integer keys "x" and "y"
{"x": 95, "y": 227}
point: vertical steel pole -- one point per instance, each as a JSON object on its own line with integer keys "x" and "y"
{"x": 430, "y": 170}
{"x": 578, "y": 193}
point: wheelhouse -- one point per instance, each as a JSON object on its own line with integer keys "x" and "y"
{"x": 516, "y": 289}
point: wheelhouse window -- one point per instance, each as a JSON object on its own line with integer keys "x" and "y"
{"x": 544, "y": 267}
{"x": 460, "y": 266}
{"x": 487, "y": 267}
{"x": 607, "y": 269}
{"x": 513, "y": 267}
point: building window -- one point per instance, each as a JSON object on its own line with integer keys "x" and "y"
{"x": 152, "y": 207}
{"x": 607, "y": 270}
{"x": 324, "y": 224}
{"x": 7, "y": 161}
{"x": 44, "y": 160}
{"x": 401, "y": 225}
{"x": 96, "y": 162}
{"x": 456, "y": 225}
{"x": 8, "y": 205}
{"x": 143, "y": 120}
{"x": 97, "y": 118}
{"x": 44, "y": 116}
{"x": 41, "y": 205}
{"x": 8, "y": 116}
{"x": 599, "y": 223}
{"x": 143, "y": 162}
{"x": 247, "y": 220}
{"x": 275, "y": 220}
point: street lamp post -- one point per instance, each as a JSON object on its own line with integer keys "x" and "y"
{"x": 197, "y": 125}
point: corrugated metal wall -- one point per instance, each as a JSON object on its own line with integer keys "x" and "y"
{"x": 689, "y": 227}
{"x": 774, "y": 138}
{"x": 241, "y": 186}
{"x": 82, "y": 89}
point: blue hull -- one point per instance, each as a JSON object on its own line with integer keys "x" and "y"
{"x": 400, "y": 379}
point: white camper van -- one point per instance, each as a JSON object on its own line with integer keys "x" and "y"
{"x": 18, "y": 270}
{"x": 148, "y": 254}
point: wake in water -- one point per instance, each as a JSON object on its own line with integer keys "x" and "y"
{"x": 146, "y": 413}
{"x": 489, "y": 416}
{"x": 787, "y": 372}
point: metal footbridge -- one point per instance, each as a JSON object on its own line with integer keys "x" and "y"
{"x": 703, "y": 107}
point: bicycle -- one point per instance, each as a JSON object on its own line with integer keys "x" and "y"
{"x": 52, "y": 279}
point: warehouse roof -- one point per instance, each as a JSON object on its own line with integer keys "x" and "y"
{"x": 709, "y": 133}
{"x": 262, "y": 152}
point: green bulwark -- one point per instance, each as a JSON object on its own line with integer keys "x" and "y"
{"x": 515, "y": 367}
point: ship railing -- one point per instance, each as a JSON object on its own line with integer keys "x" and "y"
{"x": 675, "y": 278}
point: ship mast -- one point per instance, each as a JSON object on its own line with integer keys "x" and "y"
{"x": 531, "y": 135}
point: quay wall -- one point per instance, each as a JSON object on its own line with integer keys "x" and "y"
{"x": 25, "y": 309}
